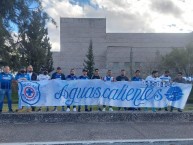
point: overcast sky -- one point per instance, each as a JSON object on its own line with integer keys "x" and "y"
{"x": 124, "y": 16}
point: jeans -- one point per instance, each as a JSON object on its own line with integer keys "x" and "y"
{"x": 7, "y": 93}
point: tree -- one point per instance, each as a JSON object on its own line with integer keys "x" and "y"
{"x": 10, "y": 12}
{"x": 20, "y": 14}
{"x": 179, "y": 60}
{"x": 35, "y": 42}
{"x": 89, "y": 62}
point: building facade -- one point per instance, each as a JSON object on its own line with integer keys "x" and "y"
{"x": 113, "y": 51}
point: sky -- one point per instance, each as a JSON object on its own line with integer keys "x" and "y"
{"x": 124, "y": 16}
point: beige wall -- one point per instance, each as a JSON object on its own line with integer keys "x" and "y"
{"x": 110, "y": 49}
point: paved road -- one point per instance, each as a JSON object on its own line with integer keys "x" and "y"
{"x": 43, "y": 132}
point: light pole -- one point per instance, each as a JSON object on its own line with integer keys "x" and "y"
{"x": 131, "y": 62}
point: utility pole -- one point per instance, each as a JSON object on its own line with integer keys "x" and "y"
{"x": 131, "y": 62}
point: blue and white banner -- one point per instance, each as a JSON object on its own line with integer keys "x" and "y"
{"x": 98, "y": 92}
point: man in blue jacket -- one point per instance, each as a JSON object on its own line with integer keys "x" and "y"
{"x": 71, "y": 77}
{"x": 6, "y": 79}
{"x": 84, "y": 76}
{"x": 22, "y": 76}
{"x": 59, "y": 76}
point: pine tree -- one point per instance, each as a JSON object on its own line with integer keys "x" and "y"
{"x": 21, "y": 15}
{"x": 35, "y": 42}
{"x": 89, "y": 62}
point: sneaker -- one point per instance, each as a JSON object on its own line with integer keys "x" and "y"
{"x": 146, "y": 109}
{"x": 29, "y": 110}
{"x": 179, "y": 110}
{"x": 68, "y": 110}
{"x": 111, "y": 109}
{"x": 39, "y": 110}
{"x": 104, "y": 109}
{"x": 47, "y": 109}
{"x": 74, "y": 109}
{"x": 78, "y": 110}
{"x": 86, "y": 110}
{"x": 10, "y": 111}
{"x": 55, "y": 110}
{"x": 99, "y": 109}
{"x": 19, "y": 110}
{"x": 153, "y": 110}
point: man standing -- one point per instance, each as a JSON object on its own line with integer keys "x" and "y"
{"x": 153, "y": 79}
{"x": 84, "y": 76}
{"x": 6, "y": 79}
{"x": 96, "y": 76}
{"x": 22, "y": 76}
{"x": 108, "y": 78}
{"x": 166, "y": 80}
{"x": 59, "y": 76}
{"x": 122, "y": 77}
{"x": 42, "y": 77}
{"x": 33, "y": 77}
{"x": 71, "y": 76}
{"x": 137, "y": 77}
{"x": 178, "y": 79}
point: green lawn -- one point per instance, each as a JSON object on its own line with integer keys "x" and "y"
{"x": 189, "y": 107}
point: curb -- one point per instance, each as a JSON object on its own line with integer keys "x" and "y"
{"x": 61, "y": 117}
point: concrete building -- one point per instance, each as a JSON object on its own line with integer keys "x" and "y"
{"x": 113, "y": 51}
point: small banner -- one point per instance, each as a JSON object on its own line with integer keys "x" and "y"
{"x": 98, "y": 92}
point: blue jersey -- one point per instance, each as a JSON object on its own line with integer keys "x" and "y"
{"x": 5, "y": 80}
{"x": 71, "y": 77}
{"x": 165, "y": 78}
{"x": 136, "y": 79}
{"x": 58, "y": 76}
{"x": 83, "y": 77}
{"x": 108, "y": 78}
{"x": 22, "y": 77}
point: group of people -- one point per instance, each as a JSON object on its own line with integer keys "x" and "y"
{"x": 6, "y": 79}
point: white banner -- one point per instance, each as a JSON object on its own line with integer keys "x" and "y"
{"x": 98, "y": 92}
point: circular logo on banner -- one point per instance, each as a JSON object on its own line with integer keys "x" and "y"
{"x": 29, "y": 93}
{"x": 174, "y": 94}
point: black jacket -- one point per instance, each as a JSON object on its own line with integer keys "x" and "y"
{"x": 34, "y": 76}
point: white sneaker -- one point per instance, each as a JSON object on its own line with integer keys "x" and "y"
{"x": 55, "y": 110}
{"x": 110, "y": 109}
{"x": 74, "y": 109}
{"x": 68, "y": 110}
{"x": 104, "y": 109}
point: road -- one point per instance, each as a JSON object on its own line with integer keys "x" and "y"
{"x": 100, "y": 131}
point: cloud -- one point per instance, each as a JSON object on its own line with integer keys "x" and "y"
{"x": 166, "y": 7}
{"x": 124, "y": 16}
{"x": 57, "y": 9}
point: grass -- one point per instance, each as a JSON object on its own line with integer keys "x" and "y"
{"x": 189, "y": 107}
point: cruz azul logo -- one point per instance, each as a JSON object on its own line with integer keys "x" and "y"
{"x": 174, "y": 93}
{"x": 30, "y": 93}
